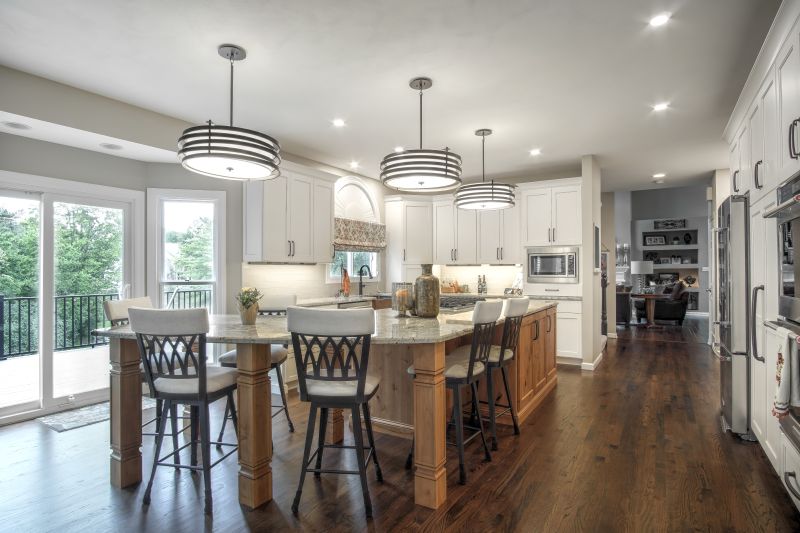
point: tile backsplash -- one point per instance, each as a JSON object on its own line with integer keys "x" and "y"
{"x": 306, "y": 281}
{"x": 497, "y": 277}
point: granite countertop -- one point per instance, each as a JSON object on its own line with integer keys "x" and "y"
{"x": 539, "y": 298}
{"x": 389, "y": 329}
{"x": 333, "y": 300}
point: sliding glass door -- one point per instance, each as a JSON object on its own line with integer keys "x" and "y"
{"x": 61, "y": 257}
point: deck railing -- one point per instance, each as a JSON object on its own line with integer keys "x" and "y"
{"x": 76, "y": 316}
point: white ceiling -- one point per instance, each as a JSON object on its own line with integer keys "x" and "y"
{"x": 571, "y": 77}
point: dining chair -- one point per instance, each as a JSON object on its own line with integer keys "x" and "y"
{"x": 331, "y": 351}
{"x": 178, "y": 375}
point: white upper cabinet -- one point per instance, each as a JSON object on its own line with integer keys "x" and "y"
{"x": 567, "y": 215}
{"x": 733, "y": 157}
{"x": 288, "y": 219}
{"x": 552, "y": 216}
{"x": 767, "y": 170}
{"x": 755, "y": 125}
{"x": 417, "y": 235}
{"x": 323, "y": 221}
{"x": 740, "y": 181}
{"x": 454, "y": 234}
{"x": 444, "y": 233}
{"x": 537, "y": 230}
{"x": 787, "y": 81}
{"x": 498, "y": 237}
{"x": 489, "y": 236}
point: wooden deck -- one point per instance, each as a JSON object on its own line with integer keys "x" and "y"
{"x": 634, "y": 446}
{"x": 75, "y": 371}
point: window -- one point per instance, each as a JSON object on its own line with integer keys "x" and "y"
{"x": 352, "y": 261}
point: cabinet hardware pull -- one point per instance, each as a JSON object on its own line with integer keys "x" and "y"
{"x": 456, "y": 254}
{"x": 755, "y": 175}
{"x": 293, "y": 248}
{"x": 548, "y": 234}
{"x": 552, "y": 290}
{"x": 497, "y": 253}
{"x": 536, "y": 331}
{"x": 754, "y": 336}
{"x": 792, "y": 152}
{"x": 404, "y": 254}
{"x": 289, "y": 253}
{"x": 786, "y": 477}
{"x": 735, "y": 186}
{"x": 501, "y": 253}
{"x": 549, "y": 323}
{"x": 554, "y": 234}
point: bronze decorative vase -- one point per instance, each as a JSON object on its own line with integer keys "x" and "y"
{"x": 248, "y": 314}
{"x": 426, "y": 294}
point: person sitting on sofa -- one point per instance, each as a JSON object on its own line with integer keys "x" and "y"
{"x": 672, "y": 308}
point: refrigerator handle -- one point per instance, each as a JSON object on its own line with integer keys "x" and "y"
{"x": 753, "y": 335}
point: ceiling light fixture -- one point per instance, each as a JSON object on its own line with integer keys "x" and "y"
{"x": 16, "y": 125}
{"x": 659, "y": 175}
{"x": 338, "y": 123}
{"x": 398, "y": 149}
{"x": 661, "y": 106}
{"x": 660, "y": 19}
{"x": 421, "y": 170}
{"x": 229, "y": 152}
{"x": 110, "y": 146}
{"x": 485, "y": 195}
{"x": 535, "y": 152}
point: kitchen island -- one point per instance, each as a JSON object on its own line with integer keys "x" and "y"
{"x": 401, "y": 404}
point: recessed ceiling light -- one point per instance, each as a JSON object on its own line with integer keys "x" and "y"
{"x": 338, "y": 123}
{"x": 354, "y": 164}
{"x": 659, "y": 181}
{"x": 16, "y": 125}
{"x": 399, "y": 149}
{"x": 660, "y": 19}
{"x": 110, "y": 146}
{"x": 536, "y": 151}
{"x": 661, "y": 106}
{"x": 659, "y": 175}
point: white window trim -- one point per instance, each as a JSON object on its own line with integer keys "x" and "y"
{"x": 154, "y": 230}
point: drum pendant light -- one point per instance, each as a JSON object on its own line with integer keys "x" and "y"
{"x": 229, "y": 152}
{"x": 421, "y": 170}
{"x": 485, "y": 195}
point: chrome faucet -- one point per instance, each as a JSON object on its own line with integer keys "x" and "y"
{"x": 361, "y": 278}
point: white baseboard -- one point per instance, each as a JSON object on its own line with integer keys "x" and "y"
{"x": 612, "y": 335}
{"x": 567, "y": 360}
{"x": 594, "y": 365}
{"x": 697, "y": 313}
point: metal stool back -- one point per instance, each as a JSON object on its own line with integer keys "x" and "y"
{"x": 331, "y": 351}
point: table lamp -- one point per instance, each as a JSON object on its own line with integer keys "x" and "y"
{"x": 641, "y": 268}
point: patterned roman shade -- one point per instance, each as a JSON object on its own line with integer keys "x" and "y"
{"x": 358, "y": 236}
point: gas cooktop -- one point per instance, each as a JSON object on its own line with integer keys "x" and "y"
{"x": 455, "y": 304}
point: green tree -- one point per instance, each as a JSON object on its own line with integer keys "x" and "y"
{"x": 195, "y": 251}
{"x": 19, "y": 252}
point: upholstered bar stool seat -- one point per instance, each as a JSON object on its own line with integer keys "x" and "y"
{"x": 278, "y": 352}
{"x": 217, "y": 378}
{"x": 456, "y": 365}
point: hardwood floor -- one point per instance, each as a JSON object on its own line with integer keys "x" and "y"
{"x": 634, "y": 446}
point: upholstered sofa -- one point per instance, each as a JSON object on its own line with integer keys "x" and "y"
{"x": 667, "y": 309}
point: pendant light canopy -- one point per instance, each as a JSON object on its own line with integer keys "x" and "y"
{"x": 485, "y": 195}
{"x": 421, "y": 170}
{"x": 229, "y": 152}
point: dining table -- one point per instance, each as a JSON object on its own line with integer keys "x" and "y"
{"x": 421, "y": 341}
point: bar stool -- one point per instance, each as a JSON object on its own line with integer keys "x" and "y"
{"x": 331, "y": 351}
{"x": 167, "y": 340}
{"x": 463, "y": 367}
{"x": 116, "y": 312}
{"x": 499, "y": 358}
{"x": 271, "y": 305}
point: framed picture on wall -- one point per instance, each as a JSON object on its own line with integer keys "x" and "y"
{"x": 669, "y": 223}
{"x": 655, "y": 240}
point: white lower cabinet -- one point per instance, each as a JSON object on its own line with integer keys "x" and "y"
{"x": 568, "y": 330}
{"x": 790, "y": 473}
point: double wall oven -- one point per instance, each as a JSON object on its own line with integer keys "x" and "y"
{"x": 787, "y": 213}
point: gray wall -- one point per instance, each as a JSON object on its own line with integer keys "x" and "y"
{"x": 679, "y": 202}
{"x": 19, "y": 154}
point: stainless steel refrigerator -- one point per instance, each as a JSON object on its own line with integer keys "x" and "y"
{"x": 733, "y": 244}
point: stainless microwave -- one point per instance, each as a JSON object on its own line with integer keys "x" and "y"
{"x": 552, "y": 264}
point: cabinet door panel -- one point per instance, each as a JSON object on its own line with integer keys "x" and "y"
{"x": 755, "y": 124}
{"x": 253, "y": 224}
{"x": 275, "y": 230}
{"x": 510, "y": 244}
{"x": 539, "y": 354}
{"x": 787, "y": 79}
{"x": 489, "y": 242}
{"x": 444, "y": 230}
{"x": 758, "y": 374}
{"x": 301, "y": 202}
{"x": 767, "y": 171}
{"x": 745, "y": 177}
{"x": 538, "y": 222}
{"x": 568, "y": 334}
{"x": 733, "y": 158}
{"x": 417, "y": 221}
{"x": 323, "y": 222}
{"x": 525, "y": 384}
{"x": 466, "y": 236}
{"x": 550, "y": 345}
{"x": 566, "y": 216}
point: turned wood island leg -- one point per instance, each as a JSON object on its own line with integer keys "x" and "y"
{"x": 126, "y": 413}
{"x": 430, "y": 406}
{"x": 255, "y": 424}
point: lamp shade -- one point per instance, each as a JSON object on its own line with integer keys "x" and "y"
{"x": 641, "y": 267}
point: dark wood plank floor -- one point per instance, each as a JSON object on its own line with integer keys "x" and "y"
{"x": 634, "y": 446}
